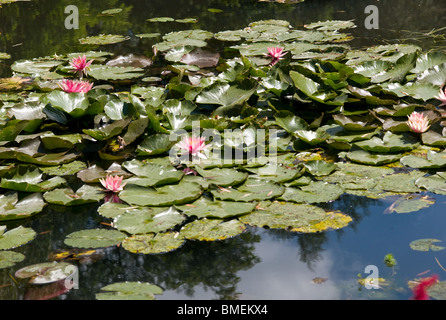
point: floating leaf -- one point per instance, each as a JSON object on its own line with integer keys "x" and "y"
{"x": 410, "y": 203}
{"x": 425, "y": 245}
{"x": 315, "y": 192}
{"x": 376, "y": 159}
{"x": 94, "y": 238}
{"x": 10, "y": 258}
{"x": 16, "y": 237}
{"x": 104, "y": 72}
{"x": 206, "y": 208}
{"x": 167, "y": 195}
{"x": 103, "y": 39}
{"x": 212, "y": 229}
{"x": 222, "y": 176}
{"x": 29, "y": 179}
{"x": 151, "y": 174}
{"x": 432, "y": 160}
{"x": 11, "y": 208}
{"x": 227, "y": 95}
{"x": 153, "y": 243}
{"x": 252, "y": 190}
{"x": 390, "y": 143}
{"x": 143, "y": 220}
{"x": 129, "y": 291}
{"x": 67, "y": 197}
{"x": 47, "y": 272}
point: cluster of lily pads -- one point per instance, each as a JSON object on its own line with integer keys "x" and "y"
{"x": 339, "y": 117}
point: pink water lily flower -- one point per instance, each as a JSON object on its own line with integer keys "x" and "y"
{"x": 442, "y": 97}
{"x": 276, "y": 54}
{"x": 193, "y": 146}
{"x": 112, "y": 183}
{"x": 80, "y": 65}
{"x": 418, "y": 122}
{"x": 69, "y": 86}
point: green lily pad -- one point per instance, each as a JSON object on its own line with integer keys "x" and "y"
{"x": 400, "y": 182}
{"x": 129, "y": 291}
{"x": 410, "y": 203}
{"x": 206, "y": 208}
{"x": 425, "y": 245}
{"x": 108, "y": 130}
{"x": 276, "y": 173}
{"x": 151, "y": 174}
{"x": 155, "y": 144}
{"x": 227, "y": 95}
{"x": 319, "y": 167}
{"x": 16, "y": 237}
{"x": 252, "y": 190}
{"x": 66, "y": 169}
{"x": 113, "y": 210}
{"x": 212, "y": 229}
{"x": 314, "y": 192}
{"x": 29, "y": 179}
{"x": 222, "y": 176}
{"x": 75, "y": 104}
{"x": 331, "y": 25}
{"x": 103, "y": 39}
{"x": 376, "y": 159}
{"x": 296, "y": 217}
{"x": 435, "y": 183}
{"x": 47, "y": 272}
{"x": 390, "y": 143}
{"x": 161, "y": 19}
{"x": 10, "y": 258}
{"x": 94, "y": 238}
{"x": 11, "y": 208}
{"x": 143, "y": 220}
{"x": 153, "y": 243}
{"x": 67, "y": 197}
{"x": 432, "y": 160}
{"x": 167, "y": 195}
{"x": 104, "y": 72}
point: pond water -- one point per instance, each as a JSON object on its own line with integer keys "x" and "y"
{"x": 260, "y": 263}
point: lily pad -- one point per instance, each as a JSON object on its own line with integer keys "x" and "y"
{"x": 94, "y": 238}
{"x": 425, "y": 245}
{"x": 29, "y": 179}
{"x": 167, "y": 195}
{"x": 410, "y": 203}
{"x": 212, "y": 229}
{"x": 11, "y": 208}
{"x": 10, "y": 258}
{"x": 129, "y": 291}
{"x": 104, "y": 72}
{"x": 142, "y": 220}
{"x": 47, "y": 272}
{"x": 376, "y": 159}
{"x": 432, "y": 160}
{"x": 151, "y": 174}
{"x": 16, "y": 237}
{"x": 103, "y": 39}
{"x": 153, "y": 243}
{"x": 315, "y": 192}
{"x": 252, "y": 190}
{"x": 222, "y": 176}
{"x": 206, "y": 208}
{"x": 390, "y": 143}
{"x": 227, "y": 95}
{"x": 295, "y": 217}
{"x": 67, "y": 197}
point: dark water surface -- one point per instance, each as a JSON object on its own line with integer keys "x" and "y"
{"x": 259, "y": 264}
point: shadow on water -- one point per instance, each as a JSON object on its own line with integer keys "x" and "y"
{"x": 261, "y": 263}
